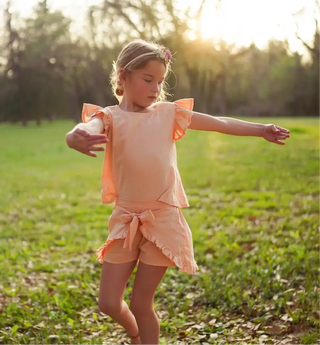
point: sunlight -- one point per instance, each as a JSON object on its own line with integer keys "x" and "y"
{"x": 238, "y": 22}
{"x": 246, "y": 21}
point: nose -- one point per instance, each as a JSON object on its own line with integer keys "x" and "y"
{"x": 156, "y": 88}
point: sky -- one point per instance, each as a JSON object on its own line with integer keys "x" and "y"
{"x": 236, "y": 21}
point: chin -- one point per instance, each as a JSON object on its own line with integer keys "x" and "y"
{"x": 148, "y": 104}
{"x": 154, "y": 101}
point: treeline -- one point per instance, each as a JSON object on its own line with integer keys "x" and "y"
{"x": 46, "y": 73}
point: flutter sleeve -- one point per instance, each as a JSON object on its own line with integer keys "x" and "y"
{"x": 91, "y": 110}
{"x": 182, "y": 117}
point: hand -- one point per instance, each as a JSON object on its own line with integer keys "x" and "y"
{"x": 275, "y": 133}
{"x": 83, "y": 141}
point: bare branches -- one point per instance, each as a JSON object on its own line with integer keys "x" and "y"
{"x": 198, "y": 18}
{"x": 118, "y": 7}
{"x": 311, "y": 49}
{"x": 315, "y": 48}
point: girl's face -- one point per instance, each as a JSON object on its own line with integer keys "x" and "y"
{"x": 143, "y": 86}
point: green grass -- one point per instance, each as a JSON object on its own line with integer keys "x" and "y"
{"x": 254, "y": 215}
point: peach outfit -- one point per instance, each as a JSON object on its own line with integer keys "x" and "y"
{"x": 140, "y": 165}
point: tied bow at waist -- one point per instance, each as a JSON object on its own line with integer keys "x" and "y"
{"x": 133, "y": 219}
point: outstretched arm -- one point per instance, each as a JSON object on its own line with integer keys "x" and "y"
{"x": 229, "y": 125}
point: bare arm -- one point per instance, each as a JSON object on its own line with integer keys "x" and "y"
{"x": 94, "y": 126}
{"x": 229, "y": 125}
{"x": 84, "y": 136}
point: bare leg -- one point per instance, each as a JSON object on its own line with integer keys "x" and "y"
{"x": 146, "y": 282}
{"x": 114, "y": 278}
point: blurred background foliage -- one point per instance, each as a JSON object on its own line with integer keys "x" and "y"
{"x": 47, "y": 73}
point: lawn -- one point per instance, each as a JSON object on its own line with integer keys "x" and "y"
{"x": 254, "y": 215}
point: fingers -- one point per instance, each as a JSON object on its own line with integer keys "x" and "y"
{"x": 87, "y": 151}
{"x": 278, "y": 138}
{"x": 285, "y": 130}
{"x": 93, "y": 148}
{"x": 277, "y": 141}
{"x": 98, "y": 137}
{"x": 91, "y": 154}
{"x": 281, "y": 129}
{"x": 97, "y": 141}
{"x": 82, "y": 132}
{"x": 282, "y": 133}
{"x": 96, "y": 148}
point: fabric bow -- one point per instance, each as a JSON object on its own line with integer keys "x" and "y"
{"x": 133, "y": 219}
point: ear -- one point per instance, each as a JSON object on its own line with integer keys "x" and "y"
{"x": 122, "y": 75}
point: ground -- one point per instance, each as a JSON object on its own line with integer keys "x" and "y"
{"x": 253, "y": 213}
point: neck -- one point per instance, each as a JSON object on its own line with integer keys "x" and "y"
{"x": 128, "y": 105}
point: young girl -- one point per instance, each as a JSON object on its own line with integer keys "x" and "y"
{"x": 140, "y": 175}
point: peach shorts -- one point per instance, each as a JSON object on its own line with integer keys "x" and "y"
{"x": 142, "y": 249}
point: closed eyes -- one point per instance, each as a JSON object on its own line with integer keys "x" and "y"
{"x": 149, "y": 81}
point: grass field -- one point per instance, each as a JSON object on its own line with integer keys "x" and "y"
{"x": 254, "y": 215}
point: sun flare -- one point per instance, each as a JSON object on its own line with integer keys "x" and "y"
{"x": 247, "y": 21}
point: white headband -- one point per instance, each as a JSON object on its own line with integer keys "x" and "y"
{"x": 138, "y": 57}
{"x": 166, "y": 51}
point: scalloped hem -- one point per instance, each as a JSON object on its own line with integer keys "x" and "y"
{"x": 102, "y": 250}
{"x": 190, "y": 269}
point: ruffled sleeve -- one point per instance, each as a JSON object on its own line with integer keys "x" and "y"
{"x": 91, "y": 110}
{"x": 182, "y": 117}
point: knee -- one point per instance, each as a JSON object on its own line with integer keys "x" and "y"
{"x": 110, "y": 308}
{"x": 140, "y": 307}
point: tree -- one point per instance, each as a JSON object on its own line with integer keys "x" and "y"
{"x": 48, "y": 74}
{"x": 313, "y": 49}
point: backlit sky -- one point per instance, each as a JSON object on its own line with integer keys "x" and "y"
{"x": 236, "y": 21}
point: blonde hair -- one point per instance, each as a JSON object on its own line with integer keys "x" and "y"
{"x": 136, "y": 55}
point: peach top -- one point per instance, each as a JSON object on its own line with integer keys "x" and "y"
{"x": 140, "y": 162}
